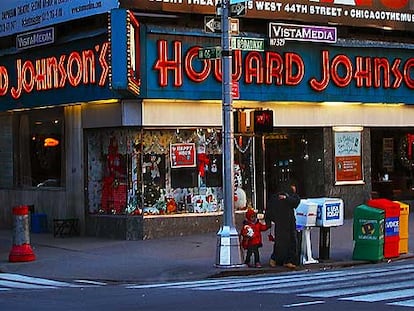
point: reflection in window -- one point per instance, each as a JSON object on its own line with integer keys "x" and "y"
{"x": 39, "y": 148}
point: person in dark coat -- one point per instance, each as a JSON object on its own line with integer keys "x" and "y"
{"x": 281, "y": 211}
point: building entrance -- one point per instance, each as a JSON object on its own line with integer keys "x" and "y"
{"x": 295, "y": 155}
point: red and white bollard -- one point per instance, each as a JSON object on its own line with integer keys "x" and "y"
{"x": 21, "y": 250}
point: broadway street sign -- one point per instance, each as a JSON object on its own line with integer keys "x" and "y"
{"x": 247, "y": 44}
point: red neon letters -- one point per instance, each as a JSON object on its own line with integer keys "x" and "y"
{"x": 287, "y": 69}
{"x": 55, "y": 72}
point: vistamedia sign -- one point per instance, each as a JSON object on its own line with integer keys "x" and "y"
{"x": 279, "y": 33}
{"x": 35, "y": 38}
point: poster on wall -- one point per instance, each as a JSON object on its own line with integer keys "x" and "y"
{"x": 182, "y": 155}
{"x": 348, "y": 156}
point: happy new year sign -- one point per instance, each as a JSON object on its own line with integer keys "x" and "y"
{"x": 182, "y": 155}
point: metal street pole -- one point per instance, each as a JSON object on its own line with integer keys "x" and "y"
{"x": 229, "y": 253}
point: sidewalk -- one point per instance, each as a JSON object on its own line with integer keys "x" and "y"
{"x": 167, "y": 259}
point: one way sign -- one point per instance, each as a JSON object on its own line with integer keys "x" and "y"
{"x": 213, "y": 24}
{"x": 238, "y": 9}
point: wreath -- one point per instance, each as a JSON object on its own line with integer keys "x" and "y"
{"x": 405, "y": 151}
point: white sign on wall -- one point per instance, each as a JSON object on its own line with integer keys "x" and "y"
{"x": 22, "y": 15}
{"x": 35, "y": 38}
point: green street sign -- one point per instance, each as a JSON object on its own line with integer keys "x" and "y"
{"x": 210, "y": 53}
{"x": 247, "y": 44}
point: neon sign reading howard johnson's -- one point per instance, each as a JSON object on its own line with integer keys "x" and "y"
{"x": 284, "y": 69}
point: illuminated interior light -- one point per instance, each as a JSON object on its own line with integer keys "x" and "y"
{"x": 348, "y": 128}
{"x": 104, "y": 101}
{"x": 340, "y": 103}
{"x": 385, "y": 104}
{"x": 50, "y": 142}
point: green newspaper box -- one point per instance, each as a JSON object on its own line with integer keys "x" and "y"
{"x": 368, "y": 233}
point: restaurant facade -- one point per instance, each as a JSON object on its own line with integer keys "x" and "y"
{"x": 119, "y": 124}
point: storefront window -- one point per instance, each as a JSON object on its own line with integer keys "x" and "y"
{"x": 39, "y": 148}
{"x": 189, "y": 163}
{"x": 154, "y": 172}
{"x": 392, "y": 163}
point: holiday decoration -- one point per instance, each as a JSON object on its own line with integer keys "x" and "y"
{"x": 114, "y": 189}
{"x": 151, "y": 194}
{"x": 171, "y": 205}
{"x": 152, "y": 166}
{"x": 203, "y": 162}
{"x": 240, "y": 199}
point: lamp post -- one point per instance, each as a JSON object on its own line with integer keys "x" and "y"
{"x": 229, "y": 253}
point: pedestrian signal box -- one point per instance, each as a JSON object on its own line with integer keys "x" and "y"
{"x": 262, "y": 121}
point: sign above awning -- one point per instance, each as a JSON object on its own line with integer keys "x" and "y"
{"x": 386, "y": 14}
{"x": 22, "y": 15}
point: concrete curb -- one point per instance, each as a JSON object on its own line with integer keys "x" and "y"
{"x": 326, "y": 265}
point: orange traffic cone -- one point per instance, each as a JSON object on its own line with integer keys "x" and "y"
{"x": 21, "y": 250}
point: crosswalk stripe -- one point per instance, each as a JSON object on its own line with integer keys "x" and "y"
{"x": 350, "y": 282}
{"x": 303, "y": 304}
{"x": 10, "y": 281}
{"x": 391, "y": 284}
{"x": 34, "y": 280}
{"x": 13, "y": 284}
{"x": 406, "y": 303}
{"x": 280, "y": 279}
{"x": 173, "y": 284}
{"x": 327, "y": 281}
{"x": 89, "y": 282}
{"x": 355, "y": 290}
{"x": 280, "y": 283}
{"x": 236, "y": 280}
{"x": 387, "y": 295}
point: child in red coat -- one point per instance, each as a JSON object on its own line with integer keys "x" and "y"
{"x": 252, "y": 237}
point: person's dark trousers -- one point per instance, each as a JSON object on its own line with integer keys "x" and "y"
{"x": 252, "y": 250}
{"x": 294, "y": 245}
{"x": 299, "y": 247}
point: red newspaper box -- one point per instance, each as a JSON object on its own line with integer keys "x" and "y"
{"x": 392, "y": 225}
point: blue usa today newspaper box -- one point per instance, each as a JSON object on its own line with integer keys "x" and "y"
{"x": 330, "y": 211}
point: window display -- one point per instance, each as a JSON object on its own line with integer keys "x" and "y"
{"x": 156, "y": 172}
{"x": 40, "y": 146}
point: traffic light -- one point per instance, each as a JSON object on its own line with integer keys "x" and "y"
{"x": 262, "y": 121}
{"x": 239, "y": 121}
